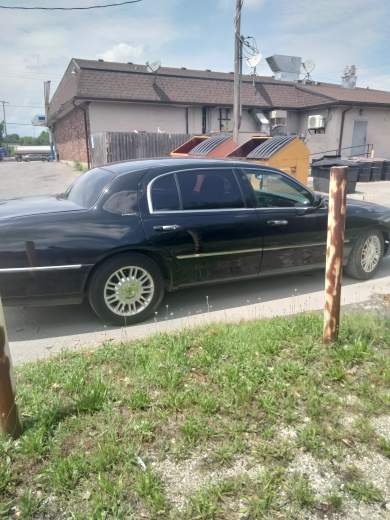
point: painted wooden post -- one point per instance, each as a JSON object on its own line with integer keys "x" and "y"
{"x": 334, "y": 251}
{"x": 9, "y": 417}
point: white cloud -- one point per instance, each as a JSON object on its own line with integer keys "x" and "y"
{"x": 123, "y": 52}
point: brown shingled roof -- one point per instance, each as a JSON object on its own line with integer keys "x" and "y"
{"x": 131, "y": 82}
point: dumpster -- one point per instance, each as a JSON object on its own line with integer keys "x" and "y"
{"x": 320, "y": 171}
{"x": 287, "y": 153}
{"x": 216, "y": 145}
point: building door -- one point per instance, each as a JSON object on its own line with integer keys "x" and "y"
{"x": 359, "y": 138}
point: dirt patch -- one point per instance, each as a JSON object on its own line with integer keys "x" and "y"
{"x": 183, "y": 479}
{"x": 381, "y": 426}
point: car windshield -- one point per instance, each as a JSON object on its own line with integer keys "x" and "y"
{"x": 86, "y": 190}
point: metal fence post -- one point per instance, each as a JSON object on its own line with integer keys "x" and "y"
{"x": 334, "y": 251}
{"x": 9, "y": 417}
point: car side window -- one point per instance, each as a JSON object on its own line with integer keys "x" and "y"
{"x": 273, "y": 190}
{"x": 122, "y": 203}
{"x": 209, "y": 189}
{"x": 164, "y": 194}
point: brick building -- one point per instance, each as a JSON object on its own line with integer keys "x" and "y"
{"x": 94, "y": 97}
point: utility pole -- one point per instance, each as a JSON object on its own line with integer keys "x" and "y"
{"x": 9, "y": 417}
{"x": 237, "y": 71}
{"x": 4, "y": 118}
{"x": 334, "y": 251}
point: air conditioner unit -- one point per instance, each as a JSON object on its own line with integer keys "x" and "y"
{"x": 279, "y": 114}
{"x": 316, "y": 122}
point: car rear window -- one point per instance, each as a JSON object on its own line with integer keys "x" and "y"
{"x": 86, "y": 190}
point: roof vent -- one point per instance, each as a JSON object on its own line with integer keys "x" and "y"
{"x": 348, "y": 79}
{"x": 285, "y": 67}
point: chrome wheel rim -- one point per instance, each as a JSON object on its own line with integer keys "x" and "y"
{"x": 128, "y": 291}
{"x": 371, "y": 254}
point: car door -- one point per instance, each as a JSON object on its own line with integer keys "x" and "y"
{"x": 200, "y": 218}
{"x": 294, "y": 230}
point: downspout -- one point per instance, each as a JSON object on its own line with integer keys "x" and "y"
{"x": 342, "y": 129}
{"x": 186, "y": 115}
{"x": 84, "y": 109}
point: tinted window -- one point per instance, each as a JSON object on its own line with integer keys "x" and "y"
{"x": 209, "y": 189}
{"x": 122, "y": 203}
{"x": 86, "y": 190}
{"x": 273, "y": 190}
{"x": 164, "y": 194}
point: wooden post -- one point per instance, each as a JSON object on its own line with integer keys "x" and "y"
{"x": 334, "y": 251}
{"x": 9, "y": 417}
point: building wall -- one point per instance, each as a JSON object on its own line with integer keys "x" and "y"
{"x": 127, "y": 117}
{"x": 378, "y": 129}
{"x": 69, "y": 137}
{"x": 320, "y": 143}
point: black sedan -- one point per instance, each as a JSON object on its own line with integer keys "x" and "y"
{"x": 124, "y": 234}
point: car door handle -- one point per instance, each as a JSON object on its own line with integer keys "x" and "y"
{"x": 277, "y": 222}
{"x": 172, "y": 227}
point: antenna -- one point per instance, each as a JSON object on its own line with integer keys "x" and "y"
{"x": 308, "y": 67}
{"x": 153, "y": 66}
{"x": 253, "y": 61}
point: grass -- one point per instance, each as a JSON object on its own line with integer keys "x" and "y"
{"x": 79, "y": 167}
{"x": 98, "y": 426}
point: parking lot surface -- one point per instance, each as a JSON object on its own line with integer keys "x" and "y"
{"x": 23, "y": 179}
{"x": 35, "y": 333}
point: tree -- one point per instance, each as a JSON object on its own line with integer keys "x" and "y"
{"x": 43, "y": 138}
{"x": 11, "y": 139}
{"x": 1, "y": 132}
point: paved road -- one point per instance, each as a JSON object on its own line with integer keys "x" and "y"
{"x": 37, "y": 332}
{"x": 22, "y": 179}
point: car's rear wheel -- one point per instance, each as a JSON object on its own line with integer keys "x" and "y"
{"x": 366, "y": 255}
{"x": 126, "y": 289}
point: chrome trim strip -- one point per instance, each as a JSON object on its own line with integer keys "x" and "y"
{"x": 43, "y": 268}
{"x": 256, "y": 250}
{"x": 219, "y": 253}
{"x": 296, "y": 246}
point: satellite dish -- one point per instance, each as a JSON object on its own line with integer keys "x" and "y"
{"x": 309, "y": 66}
{"x": 253, "y": 61}
{"x": 154, "y": 66}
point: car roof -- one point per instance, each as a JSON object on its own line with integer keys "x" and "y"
{"x": 175, "y": 162}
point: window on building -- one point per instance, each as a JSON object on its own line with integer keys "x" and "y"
{"x": 209, "y": 189}
{"x": 224, "y": 120}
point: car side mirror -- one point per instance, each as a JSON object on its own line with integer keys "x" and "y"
{"x": 318, "y": 200}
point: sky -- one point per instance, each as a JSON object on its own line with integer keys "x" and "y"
{"x": 37, "y": 45}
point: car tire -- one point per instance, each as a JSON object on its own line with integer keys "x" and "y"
{"x": 366, "y": 255}
{"x": 126, "y": 289}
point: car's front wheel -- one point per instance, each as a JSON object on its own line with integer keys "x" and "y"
{"x": 366, "y": 255}
{"x": 126, "y": 289}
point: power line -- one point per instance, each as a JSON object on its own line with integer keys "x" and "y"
{"x": 26, "y": 77}
{"x": 40, "y": 8}
{"x": 21, "y": 124}
{"x": 25, "y": 106}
